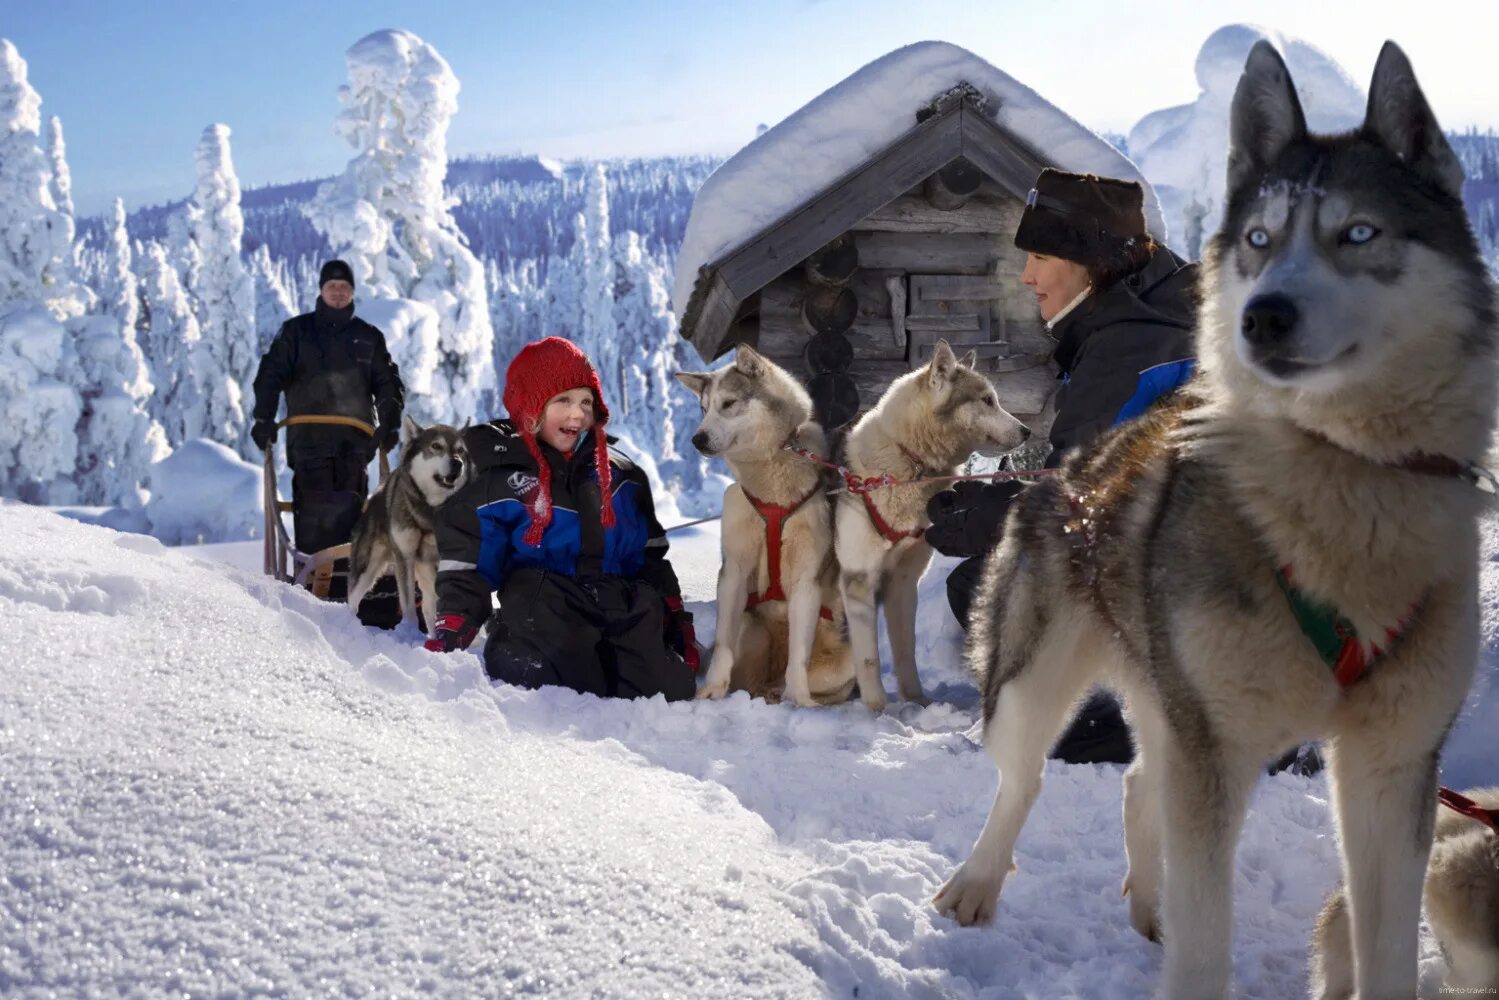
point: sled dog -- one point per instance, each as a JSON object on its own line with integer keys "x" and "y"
{"x": 1287, "y": 552}
{"x": 927, "y": 423}
{"x": 395, "y": 533}
{"x": 780, "y": 623}
{"x": 1462, "y": 906}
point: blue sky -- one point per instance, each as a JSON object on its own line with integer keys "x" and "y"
{"x": 135, "y": 83}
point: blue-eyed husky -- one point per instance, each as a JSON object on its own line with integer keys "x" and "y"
{"x": 1287, "y": 553}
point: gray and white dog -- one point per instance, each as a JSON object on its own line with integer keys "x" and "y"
{"x": 395, "y": 533}
{"x": 1313, "y": 474}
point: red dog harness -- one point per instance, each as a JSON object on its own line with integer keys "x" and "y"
{"x": 775, "y": 516}
{"x": 880, "y": 524}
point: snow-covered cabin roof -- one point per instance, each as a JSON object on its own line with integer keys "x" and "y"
{"x": 855, "y": 148}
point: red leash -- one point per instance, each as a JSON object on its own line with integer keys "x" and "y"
{"x": 861, "y": 485}
{"x": 1467, "y": 807}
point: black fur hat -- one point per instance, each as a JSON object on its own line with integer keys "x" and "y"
{"x": 335, "y": 270}
{"x": 1080, "y": 217}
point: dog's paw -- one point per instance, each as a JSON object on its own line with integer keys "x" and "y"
{"x": 917, "y": 698}
{"x": 874, "y": 699}
{"x": 970, "y": 896}
{"x": 713, "y": 690}
{"x": 1144, "y": 911}
{"x": 801, "y": 699}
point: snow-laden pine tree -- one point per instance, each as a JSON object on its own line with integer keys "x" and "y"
{"x": 118, "y": 440}
{"x": 665, "y": 415}
{"x": 389, "y": 217}
{"x": 39, "y": 292}
{"x": 119, "y": 291}
{"x": 223, "y": 294}
{"x": 62, "y": 178}
{"x": 273, "y": 302}
{"x": 36, "y": 237}
{"x": 600, "y": 339}
{"x": 172, "y": 336}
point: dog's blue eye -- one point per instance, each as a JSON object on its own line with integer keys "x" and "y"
{"x": 1258, "y": 238}
{"x": 1359, "y": 232}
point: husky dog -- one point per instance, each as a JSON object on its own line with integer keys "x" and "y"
{"x": 1311, "y": 481}
{"x": 780, "y": 624}
{"x": 1462, "y": 906}
{"x": 395, "y": 532}
{"x": 926, "y": 424}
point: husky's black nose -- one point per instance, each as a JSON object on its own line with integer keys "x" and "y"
{"x": 1025, "y": 433}
{"x": 1269, "y": 319}
{"x": 700, "y": 441}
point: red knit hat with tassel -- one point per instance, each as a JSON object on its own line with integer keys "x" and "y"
{"x": 542, "y": 370}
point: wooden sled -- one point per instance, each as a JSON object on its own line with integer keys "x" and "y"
{"x": 283, "y": 560}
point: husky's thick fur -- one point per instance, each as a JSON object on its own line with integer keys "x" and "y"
{"x": 1462, "y": 906}
{"x": 1346, "y": 340}
{"x": 751, "y": 410}
{"x": 926, "y": 424}
{"x": 395, "y": 533}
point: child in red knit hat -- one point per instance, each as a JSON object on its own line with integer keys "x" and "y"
{"x": 564, "y": 529}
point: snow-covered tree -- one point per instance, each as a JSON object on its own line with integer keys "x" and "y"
{"x": 273, "y": 303}
{"x": 36, "y": 237}
{"x": 600, "y": 339}
{"x": 117, "y": 438}
{"x": 118, "y": 442}
{"x": 224, "y": 294}
{"x": 390, "y": 218}
{"x": 119, "y": 292}
{"x": 664, "y": 417}
{"x": 173, "y": 334}
{"x": 57, "y": 157}
{"x": 38, "y": 410}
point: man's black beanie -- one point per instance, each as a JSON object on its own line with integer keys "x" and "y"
{"x": 335, "y": 270}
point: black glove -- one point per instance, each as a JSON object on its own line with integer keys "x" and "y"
{"x": 388, "y": 434}
{"x": 263, "y": 433}
{"x": 966, "y": 518}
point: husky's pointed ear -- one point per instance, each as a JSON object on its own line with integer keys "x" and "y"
{"x": 1266, "y": 115}
{"x": 409, "y": 428}
{"x": 940, "y": 369}
{"x": 696, "y": 382}
{"x": 1399, "y": 118}
{"x": 748, "y": 361}
{"x": 970, "y": 359}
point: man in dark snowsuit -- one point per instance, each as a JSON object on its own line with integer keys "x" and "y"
{"x": 587, "y": 597}
{"x": 329, "y": 362}
{"x": 1124, "y": 331}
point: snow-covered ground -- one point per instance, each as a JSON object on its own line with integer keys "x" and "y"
{"x": 214, "y": 784}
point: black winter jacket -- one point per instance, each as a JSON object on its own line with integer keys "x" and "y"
{"x": 1124, "y": 348}
{"x": 328, "y": 362}
{"x": 1119, "y": 351}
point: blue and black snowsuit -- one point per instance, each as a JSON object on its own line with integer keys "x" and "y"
{"x": 587, "y": 607}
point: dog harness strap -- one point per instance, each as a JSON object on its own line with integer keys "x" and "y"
{"x": 775, "y": 518}
{"x": 883, "y": 526}
{"x": 1467, "y": 807}
{"x": 1333, "y": 636}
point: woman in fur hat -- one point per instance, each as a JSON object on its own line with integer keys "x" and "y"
{"x": 563, "y": 528}
{"x": 1121, "y": 309}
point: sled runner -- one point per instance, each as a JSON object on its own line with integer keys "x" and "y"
{"x": 284, "y": 561}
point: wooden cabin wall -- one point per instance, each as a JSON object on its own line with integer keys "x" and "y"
{"x": 908, "y": 237}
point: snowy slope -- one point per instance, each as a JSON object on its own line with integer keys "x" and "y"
{"x": 841, "y": 128}
{"x": 214, "y": 784}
